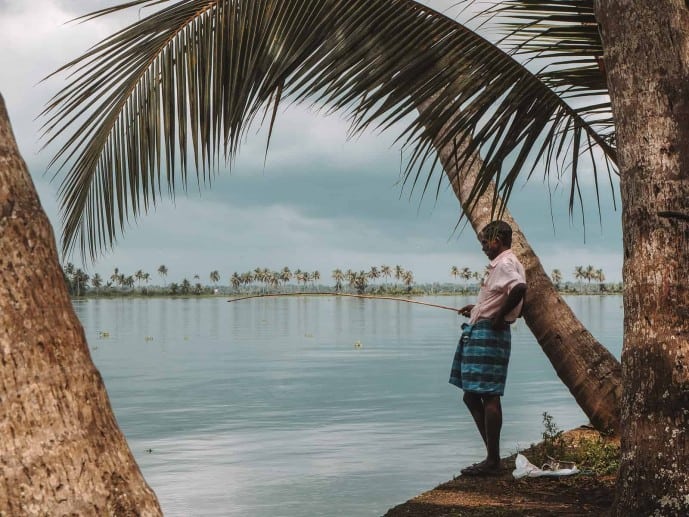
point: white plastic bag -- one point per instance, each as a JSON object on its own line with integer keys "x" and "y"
{"x": 524, "y": 468}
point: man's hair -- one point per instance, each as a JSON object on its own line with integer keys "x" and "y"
{"x": 499, "y": 229}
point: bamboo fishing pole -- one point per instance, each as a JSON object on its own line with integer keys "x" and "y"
{"x": 368, "y": 296}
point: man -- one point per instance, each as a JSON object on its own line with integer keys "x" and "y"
{"x": 480, "y": 363}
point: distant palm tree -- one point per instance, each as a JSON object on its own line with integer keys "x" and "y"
{"x": 301, "y": 276}
{"x": 579, "y": 274}
{"x": 80, "y": 278}
{"x": 374, "y": 274}
{"x": 215, "y": 277}
{"x": 115, "y": 277}
{"x": 307, "y": 277}
{"x": 359, "y": 281}
{"x": 465, "y": 273}
{"x": 273, "y": 279}
{"x": 185, "y": 287}
{"x": 600, "y": 277}
{"x": 454, "y": 272}
{"x": 556, "y": 277}
{"x": 399, "y": 273}
{"x": 408, "y": 279}
{"x": 247, "y": 278}
{"x": 386, "y": 272}
{"x": 235, "y": 280}
{"x": 96, "y": 281}
{"x": 285, "y": 275}
{"x": 139, "y": 275}
{"x": 338, "y": 276}
{"x": 162, "y": 271}
{"x": 476, "y": 275}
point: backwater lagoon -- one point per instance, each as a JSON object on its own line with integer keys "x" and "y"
{"x": 310, "y": 406}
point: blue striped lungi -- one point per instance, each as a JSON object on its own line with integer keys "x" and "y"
{"x": 480, "y": 362}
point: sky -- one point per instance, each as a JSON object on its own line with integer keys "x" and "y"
{"x": 320, "y": 201}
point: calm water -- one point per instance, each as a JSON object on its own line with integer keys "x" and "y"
{"x": 267, "y": 407}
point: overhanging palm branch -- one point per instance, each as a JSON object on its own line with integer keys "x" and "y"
{"x": 561, "y": 39}
{"x": 185, "y": 83}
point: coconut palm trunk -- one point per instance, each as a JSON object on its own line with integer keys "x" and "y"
{"x": 646, "y": 60}
{"x": 585, "y": 366}
{"x": 62, "y": 452}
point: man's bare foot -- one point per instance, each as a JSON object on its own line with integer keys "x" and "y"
{"x": 484, "y": 468}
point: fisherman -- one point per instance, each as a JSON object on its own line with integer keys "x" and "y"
{"x": 480, "y": 362}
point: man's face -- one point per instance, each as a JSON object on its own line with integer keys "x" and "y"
{"x": 490, "y": 244}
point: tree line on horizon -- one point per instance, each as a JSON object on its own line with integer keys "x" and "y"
{"x": 263, "y": 279}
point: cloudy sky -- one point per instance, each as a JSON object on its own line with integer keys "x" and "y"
{"x": 319, "y": 202}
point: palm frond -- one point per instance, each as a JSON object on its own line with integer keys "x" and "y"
{"x": 563, "y": 34}
{"x": 185, "y": 83}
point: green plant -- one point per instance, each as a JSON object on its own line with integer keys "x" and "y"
{"x": 553, "y": 442}
{"x": 599, "y": 456}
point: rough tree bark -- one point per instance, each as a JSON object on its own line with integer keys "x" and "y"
{"x": 585, "y": 366}
{"x": 647, "y": 61}
{"x": 61, "y": 450}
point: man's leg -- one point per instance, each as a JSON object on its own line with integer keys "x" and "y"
{"x": 493, "y": 424}
{"x": 474, "y": 402}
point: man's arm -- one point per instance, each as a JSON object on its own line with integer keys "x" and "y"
{"x": 516, "y": 295}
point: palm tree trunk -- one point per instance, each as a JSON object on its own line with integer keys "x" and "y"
{"x": 62, "y": 452}
{"x": 647, "y": 61}
{"x": 586, "y": 367}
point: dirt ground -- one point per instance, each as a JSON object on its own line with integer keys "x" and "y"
{"x": 502, "y": 495}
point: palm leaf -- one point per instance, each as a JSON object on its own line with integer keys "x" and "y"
{"x": 561, "y": 34}
{"x": 186, "y": 82}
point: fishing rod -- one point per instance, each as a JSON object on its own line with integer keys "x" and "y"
{"x": 367, "y": 296}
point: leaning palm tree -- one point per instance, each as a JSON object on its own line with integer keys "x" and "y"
{"x": 62, "y": 451}
{"x": 192, "y": 77}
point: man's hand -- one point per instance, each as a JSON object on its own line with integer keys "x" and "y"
{"x": 466, "y": 310}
